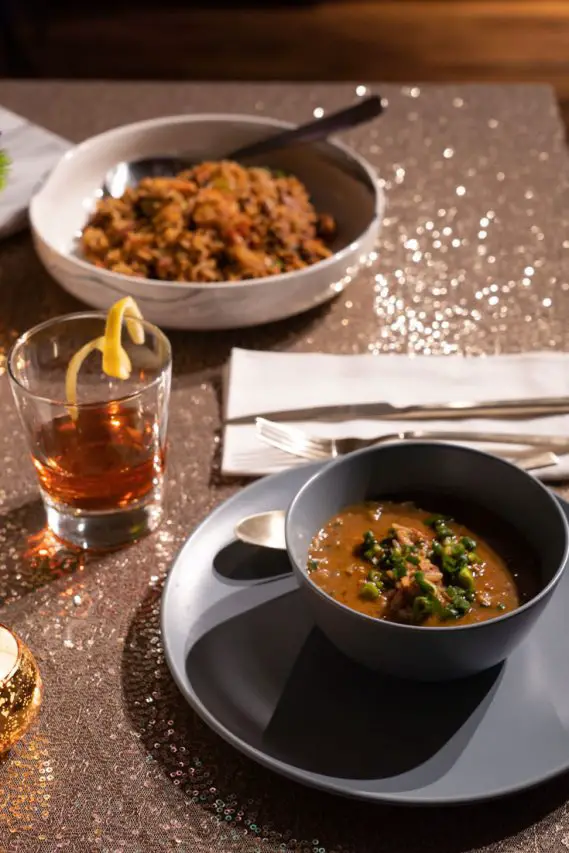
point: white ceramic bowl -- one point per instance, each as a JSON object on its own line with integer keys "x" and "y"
{"x": 340, "y": 183}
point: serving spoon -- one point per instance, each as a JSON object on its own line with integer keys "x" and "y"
{"x": 128, "y": 174}
{"x": 267, "y": 529}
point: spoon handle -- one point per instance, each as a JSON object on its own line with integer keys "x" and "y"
{"x": 321, "y": 128}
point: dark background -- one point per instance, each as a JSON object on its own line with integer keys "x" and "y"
{"x": 355, "y": 40}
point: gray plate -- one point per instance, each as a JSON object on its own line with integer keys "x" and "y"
{"x": 244, "y": 651}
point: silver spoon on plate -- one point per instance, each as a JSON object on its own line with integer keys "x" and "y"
{"x": 265, "y": 529}
{"x": 129, "y": 174}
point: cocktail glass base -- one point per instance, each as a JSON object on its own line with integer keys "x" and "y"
{"x": 103, "y": 530}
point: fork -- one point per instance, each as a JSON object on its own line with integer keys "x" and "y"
{"x": 299, "y": 443}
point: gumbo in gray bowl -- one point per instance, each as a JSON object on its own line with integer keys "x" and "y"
{"x": 242, "y": 645}
{"x": 424, "y": 560}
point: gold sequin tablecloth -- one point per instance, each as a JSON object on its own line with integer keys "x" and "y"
{"x": 474, "y": 258}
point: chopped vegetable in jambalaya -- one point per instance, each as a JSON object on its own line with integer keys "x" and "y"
{"x": 218, "y": 221}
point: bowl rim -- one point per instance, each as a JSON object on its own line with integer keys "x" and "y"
{"x": 194, "y": 118}
{"x": 432, "y": 629}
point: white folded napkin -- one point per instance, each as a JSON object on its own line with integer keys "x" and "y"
{"x": 33, "y": 152}
{"x": 258, "y": 382}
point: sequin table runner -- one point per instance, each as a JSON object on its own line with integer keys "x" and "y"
{"x": 474, "y": 258}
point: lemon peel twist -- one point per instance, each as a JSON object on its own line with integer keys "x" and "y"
{"x": 116, "y": 362}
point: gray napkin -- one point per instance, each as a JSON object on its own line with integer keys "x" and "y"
{"x": 33, "y": 151}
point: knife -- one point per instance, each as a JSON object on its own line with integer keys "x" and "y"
{"x": 516, "y": 408}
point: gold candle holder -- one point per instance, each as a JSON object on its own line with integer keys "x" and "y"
{"x": 20, "y": 688}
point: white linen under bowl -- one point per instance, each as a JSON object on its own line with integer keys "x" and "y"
{"x": 340, "y": 182}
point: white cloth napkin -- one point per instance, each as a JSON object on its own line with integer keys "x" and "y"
{"x": 33, "y": 152}
{"x": 257, "y": 382}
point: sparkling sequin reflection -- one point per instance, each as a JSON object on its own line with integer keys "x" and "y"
{"x": 26, "y": 782}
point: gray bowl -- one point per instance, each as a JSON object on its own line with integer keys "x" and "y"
{"x": 448, "y": 471}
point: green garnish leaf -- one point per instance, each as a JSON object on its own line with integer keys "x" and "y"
{"x": 436, "y": 519}
{"x": 422, "y": 607}
{"x": 370, "y": 549}
{"x": 369, "y": 591}
{"x": 5, "y": 164}
{"x": 437, "y": 550}
{"x": 459, "y": 603}
{"x": 424, "y": 585}
{"x": 466, "y": 580}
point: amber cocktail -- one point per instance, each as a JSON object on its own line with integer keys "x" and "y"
{"x": 100, "y": 462}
